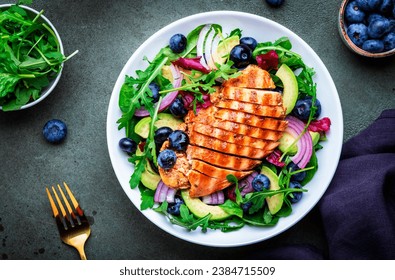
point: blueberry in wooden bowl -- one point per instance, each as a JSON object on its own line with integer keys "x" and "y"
{"x": 367, "y": 27}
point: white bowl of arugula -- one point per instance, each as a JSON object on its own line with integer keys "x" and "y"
{"x": 31, "y": 57}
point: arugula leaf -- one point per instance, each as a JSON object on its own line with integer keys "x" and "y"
{"x": 24, "y": 2}
{"x": 231, "y": 178}
{"x": 232, "y": 208}
{"x": 147, "y": 197}
{"x": 135, "y": 92}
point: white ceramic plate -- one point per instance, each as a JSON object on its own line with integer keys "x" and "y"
{"x": 263, "y": 30}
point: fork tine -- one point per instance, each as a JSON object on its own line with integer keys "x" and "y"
{"x": 68, "y": 206}
{"x": 59, "y": 203}
{"x": 73, "y": 200}
{"x": 53, "y": 205}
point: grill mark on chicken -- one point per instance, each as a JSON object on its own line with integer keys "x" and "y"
{"x": 248, "y": 95}
{"x": 254, "y": 109}
{"x": 207, "y": 117}
{"x": 221, "y": 160}
{"x": 239, "y": 139}
{"x": 202, "y": 185}
{"x": 216, "y": 172}
{"x": 230, "y": 148}
{"x": 252, "y": 77}
{"x": 252, "y": 120}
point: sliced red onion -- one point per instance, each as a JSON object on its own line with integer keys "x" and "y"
{"x": 305, "y": 144}
{"x": 169, "y": 98}
{"x": 245, "y": 185}
{"x": 164, "y": 193}
{"x": 214, "y": 198}
{"x": 201, "y": 44}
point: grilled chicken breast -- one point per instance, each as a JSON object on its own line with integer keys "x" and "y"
{"x": 232, "y": 136}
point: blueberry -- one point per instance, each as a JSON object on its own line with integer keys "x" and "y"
{"x": 377, "y": 28}
{"x": 275, "y": 3}
{"x": 178, "y": 43}
{"x": 178, "y": 140}
{"x": 295, "y": 196}
{"x": 177, "y": 108}
{"x": 297, "y": 176}
{"x": 260, "y": 182}
{"x": 241, "y": 55}
{"x": 155, "y": 91}
{"x": 358, "y": 33}
{"x": 353, "y": 13}
{"x": 249, "y": 41}
{"x": 55, "y": 131}
{"x": 389, "y": 41}
{"x": 174, "y": 208}
{"x": 303, "y": 107}
{"x": 373, "y": 46}
{"x": 246, "y": 206}
{"x": 167, "y": 159}
{"x": 386, "y": 6}
{"x": 373, "y": 17}
{"x": 128, "y": 145}
{"x": 369, "y": 5}
{"x": 161, "y": 135}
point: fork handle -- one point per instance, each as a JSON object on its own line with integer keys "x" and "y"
{"x": 81, "y": 251}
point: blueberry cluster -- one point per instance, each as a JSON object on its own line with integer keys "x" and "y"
{"x": 178, "y": 141}
{"x": 370, "y": 24}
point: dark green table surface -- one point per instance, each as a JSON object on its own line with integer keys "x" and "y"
{"x": 106, "y": 33}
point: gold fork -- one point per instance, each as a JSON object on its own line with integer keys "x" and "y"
{"x": 73, "y": 226}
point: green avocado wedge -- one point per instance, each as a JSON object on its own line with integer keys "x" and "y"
{"x": 274, "y": 202}
{"x": 291, "y": 89}
{"x": 149, "y": 178}
{"x": 200, "y": 209}
{"x": 164, "y": 119}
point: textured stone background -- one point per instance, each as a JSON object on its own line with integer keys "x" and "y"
{"x": 106, "y": 33}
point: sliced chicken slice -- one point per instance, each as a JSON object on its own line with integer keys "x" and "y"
{"x": 219, "y": 159}
{"x": 252, "y": 77}
{"x": 250, "y": 119}
{"x": 249, "y": 95}
{"x": 230, "y": 148}
{"x": 202, "y": 184}
{"x": 224, "y": 135}
{"x": 206, "y": 116}
{"x": 215, "y": 171}
{"x": 254, "y": 109}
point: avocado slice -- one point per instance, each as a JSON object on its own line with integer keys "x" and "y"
{"x": 149, "y": 178}
{"x": 286, "y": 142}
{"x": 315, "y": 137}
{"x": 291, "y": 89}
{"x": 200, "y": 209}
{"x": 164, "y": 119}
{"x": 274, "y": 202}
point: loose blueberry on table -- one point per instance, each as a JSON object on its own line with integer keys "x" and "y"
{"x": 55, "y": 131}
{"x": 275, "y": 3}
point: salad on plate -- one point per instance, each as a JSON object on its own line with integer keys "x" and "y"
{"x": 222, "y": 130}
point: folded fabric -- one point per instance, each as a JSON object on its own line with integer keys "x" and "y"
{"x": 358, "y": 209}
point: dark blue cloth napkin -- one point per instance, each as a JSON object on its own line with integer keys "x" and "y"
{"x": 358, "y": 209}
